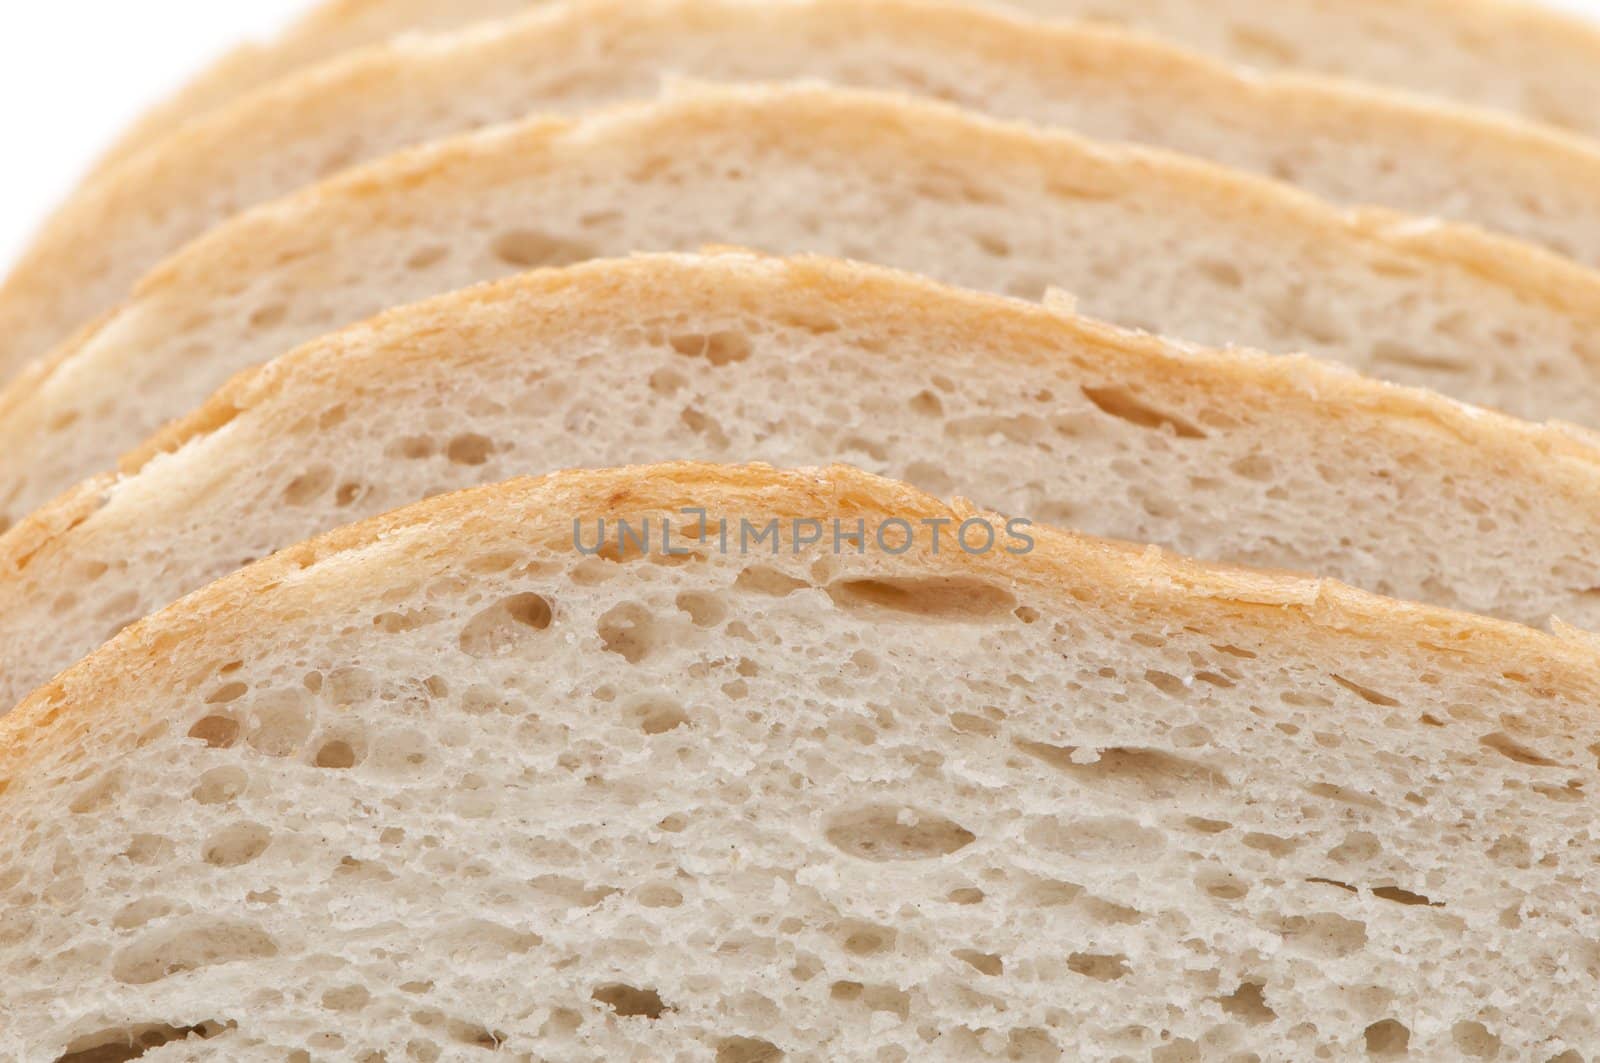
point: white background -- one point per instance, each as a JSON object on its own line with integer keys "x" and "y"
{"x": 73, "y": 73}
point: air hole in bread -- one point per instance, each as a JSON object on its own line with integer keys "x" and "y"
{"x": 1102, "y": 967}
{"x": 658, "y": 716}
{"x": 659, "y": 895}
{"x": 1248, "y": 1004}
{"x": 145, "y": 849}
{"x": 308, "y": 486}
{"x": 505, "y": 626}
{"x": 667, "y": 381}
{"x": 1126, "y": 406}
{"x": 220, "y": 785}
{"x": 1051, "y": 893}
{"x": 426, "y": 257}
{"x": 1271, "y": 844}
{"x": 413, "y": 448}
{"x": 132, "y": 1042}
{"x": 1358, "y": 847}
{"x": 747, "y": 1050}
{"x": 469, "y": 449}
{"x": 1366, "y": 694}
{"x": 986, "y": 963}
{"x": 1474, "y": 1040}
{"x": 702, "y": 424}
{"x": 927, "y": 404}
{"x": 1344, "y": 795}
{"x": 226, "y": 693}
{"x": 471, "y": 1033}
{"x": 236, "y": 845}
{"x": 1511, "y": 749}
{"x": 349, "y": 685}
{"x": 892, "y": 833}
{"x": 865, "y": 939}
{"x": 1022, "y": 428}
{"x": 630, "y": 632}
{"x": 1221, "y": 272}
{"x": 347, "y": 494}
{"x": 1110, "y": 913}
{"x": 629, "y": 1001}
{"x": 704, "y": 610}
{"x": 718, "y": 348}
{"x": 527, "y": 249}
{"x": 346, "y": 998}
{"x": 218, "y": 732}
{"x": 1400, "y": 896}
{"x": 337, "y": 754}
{"x": 932, "y": 598}
{"x": 1325, "y": 934}
{"x": 96, "y": 795}
{"x": 873, "y": 997}
{"x": 1223, "y": 885}
{"x": 142, "y": 911}
{"x": 280, "y": 723}
{"x": 1572, "y": 791}
{"x": 970, "y": 723}
{"x": 761, "y": 579}
{"x": 1149, "y": 773}
{"x": 992, "y": 245}
{"x": 269, "y": 316}
{"x": 1387, "y": 1039}
{"x": 174, "y": 950}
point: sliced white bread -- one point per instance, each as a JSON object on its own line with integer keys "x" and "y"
{"x": 1144, "y": 238}
{"x": 1515, "y": 57}
{"x": 444, "y": 781}
{"x": 1345, "y": 144}
{"x": 1271, "y": 461}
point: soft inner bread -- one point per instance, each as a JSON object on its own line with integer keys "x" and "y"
{"x": 1272, "y": 461}
{"x": 1513, "y": 56}
{"x": 1143, "y": 238}
{"x": 1357, "y": 146}
{"x": 445, "y": 783}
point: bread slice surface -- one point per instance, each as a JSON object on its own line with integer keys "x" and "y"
{"x": 1521, "y": 58}
{"x": 444, "y": 779}
{"x": 1271, "y": 461}
{"x": 1142, "y": 238}
{"x": 1346, "y": 144}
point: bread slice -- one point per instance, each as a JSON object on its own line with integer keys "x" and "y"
{"x": 445, "y": 781}
{"x": 1509, "y": 56}
{"x": 1145, "y": 239}
{"x": 1348, "y": 145}
{"x": 1271, "y": 461}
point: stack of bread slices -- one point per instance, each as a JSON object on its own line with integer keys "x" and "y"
{"x": 741, "y": 530}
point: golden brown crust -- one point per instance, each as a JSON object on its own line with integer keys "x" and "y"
{"x": 346, "y": 567}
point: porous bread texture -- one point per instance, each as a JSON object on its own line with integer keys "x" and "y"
{"x": 440, "y": 780}
{"x": 1509, "y": 56}
{"x": 1348, "y": 145}
{"x": 1143, "y": 238}
{"x": 1269, "y": 461}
